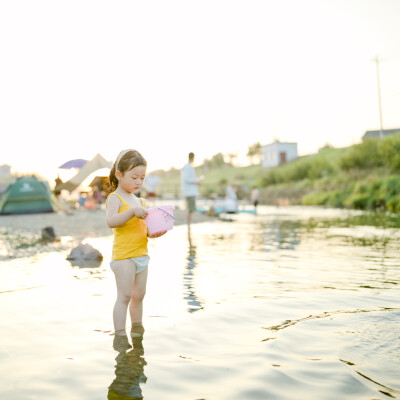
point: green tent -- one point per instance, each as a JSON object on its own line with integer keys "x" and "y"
{"x": 28, "y": 195}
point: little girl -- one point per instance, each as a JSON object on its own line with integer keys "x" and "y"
{"x": 125, "y": 213}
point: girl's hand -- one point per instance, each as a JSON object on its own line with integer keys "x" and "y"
{"x": 157, "y": 234}
{"x": 140, "y": 212}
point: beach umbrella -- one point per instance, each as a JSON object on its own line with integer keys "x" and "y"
{"x": 78, "y": 163}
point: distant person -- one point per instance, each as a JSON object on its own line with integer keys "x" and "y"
{"x": 230, "y": 193}
{"x": 57, "y": 190}
{"x": 230, "y": 203}
{"x": 150, "y": 185}
{"x": 189, "y": 183}
{"x": 90, "y": 202}
{"x": 125, "y": 213}
{"x": 97, "y": 195}
{"x": 82, "y": 198}
{"x": 254, "y": 196}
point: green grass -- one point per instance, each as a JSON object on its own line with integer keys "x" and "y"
{"x": 363, "y": 176}
{"x": 325, "y": 163}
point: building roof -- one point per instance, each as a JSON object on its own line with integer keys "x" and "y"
{"x": 376, "y": 134}
{"x": 278, "y": 142}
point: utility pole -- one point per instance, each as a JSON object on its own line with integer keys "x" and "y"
{"x": 377, "y": 60}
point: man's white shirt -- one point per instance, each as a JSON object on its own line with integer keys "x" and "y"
{"x": 189, "y": 181}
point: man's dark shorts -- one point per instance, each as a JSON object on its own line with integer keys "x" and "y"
{"x": 191, "y": 203}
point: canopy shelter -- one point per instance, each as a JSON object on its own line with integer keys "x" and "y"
{"x": 98, "y": 162}
{"x": 101, "y": 183}
{"x": 77, "y": 163}
{"x": 28, "y": 195}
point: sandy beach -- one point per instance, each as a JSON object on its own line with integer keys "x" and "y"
{"x": 20, "y": 235}
{"x": 78, "y": 223}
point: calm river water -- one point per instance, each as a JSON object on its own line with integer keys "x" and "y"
{"x": 294, "y": 303}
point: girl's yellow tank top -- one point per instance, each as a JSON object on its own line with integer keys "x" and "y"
{"x": 130, "y": 239}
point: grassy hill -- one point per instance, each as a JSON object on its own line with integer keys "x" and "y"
{"x": 362, "y": 176}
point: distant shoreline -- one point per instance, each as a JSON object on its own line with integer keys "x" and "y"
{"x": 79, "y": 223}
{"x": 21, "y": 235}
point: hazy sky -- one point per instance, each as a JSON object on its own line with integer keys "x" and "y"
{"x": 169, "y": 77}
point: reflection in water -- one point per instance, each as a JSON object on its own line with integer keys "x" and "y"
{"x": 278, "y": 234}
{"x": 315, "y": 294}
{"x": 129, "y": 371}
{"x": 194, "y": 303}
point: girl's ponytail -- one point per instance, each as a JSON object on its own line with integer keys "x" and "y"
{"x": 112, "y": 179}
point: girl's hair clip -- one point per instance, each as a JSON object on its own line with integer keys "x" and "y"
{"x": 120, "y": 155}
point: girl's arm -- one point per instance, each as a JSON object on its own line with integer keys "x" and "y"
{"x": 113, "y": 219}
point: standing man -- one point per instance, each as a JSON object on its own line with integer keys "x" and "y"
{"x": 150, "y": 185}
{"x": 189, "y": 183}
{"x": 255, "y": 193}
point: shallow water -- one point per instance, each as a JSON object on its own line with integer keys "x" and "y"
{"x": 294, "y": 303}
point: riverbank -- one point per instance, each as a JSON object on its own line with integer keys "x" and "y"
{"x": 79, "y": 223}
{"x": 21, "y": 235}
{"x": 364, "y": 176}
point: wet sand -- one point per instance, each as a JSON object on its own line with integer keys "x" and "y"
{"x": 78, "y": 223}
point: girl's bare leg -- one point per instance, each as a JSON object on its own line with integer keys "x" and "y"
{"x": 124, "y": 271}
{"x": 136, "y": 305}
{"x": 138, "y": 292}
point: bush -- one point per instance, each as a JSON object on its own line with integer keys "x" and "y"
{"x": 361, "y": 188}
{"x": 358, "y": 201}
{"x": 390, "y": 186}
{"x": 310, "y": 167}
{"x": 393, "y": 204}
{"x": 315, "y": 199}
{"x": 389, "y": 151}
{"x": 319, "y": 167}
{"x": 337, "y": 198}
{"x": 363, "y": 155}
{"x": 269, "y": 178}
{"x": 372, "y": 153}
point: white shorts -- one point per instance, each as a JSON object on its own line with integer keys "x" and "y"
{"x": 141, "y": 263}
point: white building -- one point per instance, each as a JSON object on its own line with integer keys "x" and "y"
{"x": 278, "y": 153}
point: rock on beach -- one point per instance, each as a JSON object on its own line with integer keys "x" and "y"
{"x": 84, "y": 252}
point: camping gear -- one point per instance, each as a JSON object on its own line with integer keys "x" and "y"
{"x": 160, "y": 219}
{"x": 98, "y": 162}
{"x": 26, "y": 195}
{"x": 77, "y": 163}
